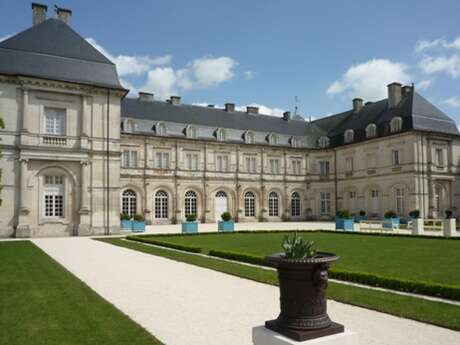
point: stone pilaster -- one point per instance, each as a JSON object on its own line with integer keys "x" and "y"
{"x": 84, "y": 228}
{"x": 23, "y": 228}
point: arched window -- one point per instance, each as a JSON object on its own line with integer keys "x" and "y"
{"x": 190, "y": 203}
{"x": 371, "y": 130}
{"x": 272, "y": 139}
{"x": 323, "y": 142}
{"x": 161, "y": 205}
{"x": 396, "y": 124}
{"x": 129, "y": 202}
{"x": 190, "y": 132}
{"x": 295, "y": 204}
{"x": 220, "y": 134}
{"x": 349, "y": 136}
{"x": 399, "y": 200}
{"x": 249, "y": 204}
{"x": 53, "y": 196}
{"x": 249, "y": 137}
{"x": 273, "y": 205}
{"x": 160, "y": 129}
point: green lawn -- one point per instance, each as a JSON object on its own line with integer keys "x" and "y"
{"x": 42, "y": 303}
{"x": 418, "y": 259}
{"x": 441, "y": 314}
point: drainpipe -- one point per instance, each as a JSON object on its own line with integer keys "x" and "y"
{"x": 107, "y": 165}
{"x": 335, "y": 181}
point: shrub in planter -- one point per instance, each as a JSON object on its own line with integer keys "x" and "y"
{"x": 362, "y": 213}
{"x": 391, "y": 220}
{"x": 302, "y": 275}
{"x": 362, "y": 216}
{"x": 226, "y": 224}
{"x": 414, "y": 214}
{"x": 343, "y": 220}
{"x": 191, "y": 225}
{"x": 126, "y": 223}
{"x": 138, "y": 223}
{"x": 448, "y": 214}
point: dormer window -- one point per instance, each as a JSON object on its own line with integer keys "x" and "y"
{"x": 396, "y": 124}
{"x": 220, "y": 134}
{"x": 349, "y": 136}
{"x": 371, "y": 130}
{"x": 190, "y": 132}
{"x": 249, "y": 137}
{"x": 160, "y": 129}
{"x": 323, "y": 142}
{"x": 272, "y": 139}
{"x": 128, "y": 126}
{"x": 294, "y": 142}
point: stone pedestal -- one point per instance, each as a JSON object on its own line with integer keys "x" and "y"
{"x": 83, "y": 230}
{"x": 22, "y": 231}
{"x": 449, "y": 227}
{"x": 264, "y": 336}
{"x": 417, "y": 226}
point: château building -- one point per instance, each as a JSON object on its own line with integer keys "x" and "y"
{"x": 77, "y": 151}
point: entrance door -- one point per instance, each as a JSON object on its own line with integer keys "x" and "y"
{"x": 220, "y": 205}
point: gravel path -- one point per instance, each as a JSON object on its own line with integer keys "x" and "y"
{"x": 188, "y": 305}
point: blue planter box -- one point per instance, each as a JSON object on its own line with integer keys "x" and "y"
{"x": 360, "y": 218}
{"x": 391, "y": 223}
{"x": 226, "y": 226}
{"x": 138, "y": 226}
{"x": 126, "y": 225}
{"x": 189, "y": 227}
{"x": 344, "y": 224}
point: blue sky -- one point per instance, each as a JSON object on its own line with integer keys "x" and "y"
{"x": 269, "y": 52}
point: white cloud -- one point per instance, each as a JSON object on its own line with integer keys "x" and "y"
{"x": 454, "y": 101}
{"x": 368, "y": 80}
{"x": 448, "y": 64}
{"x": 424, "y": 45}
{"x": 263, "y": 109}
{"x": 248, "y": 75}
{"x": 132, "y": 65}
{"x": 5, "y": 37}
{"x": 162, "y": 81}
{"x": 423, "y": 84}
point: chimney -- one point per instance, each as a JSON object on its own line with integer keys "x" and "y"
{"x": 368, "y": 103}
{"x": 406, "y": 90}
{"x": 286, "y": 115}
{"x": 210, "y": 105}
{"x": 38, "y": 13}
{"x": 230, "y": 107}
{"x": 357, "y": 105}
{"x": 394, "y": 94}
{"x": 174, "y": 100}
{"x": 64, "y": 14}
{"x": 252, "y": 110}
{"x": 145, "y": 97}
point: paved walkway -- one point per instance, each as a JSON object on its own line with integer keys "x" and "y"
{"x": 187, "y": 305}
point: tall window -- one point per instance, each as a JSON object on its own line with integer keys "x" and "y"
{"x": 54, "y": 121}
{"x": 222, "y": 163}
{"x": 274, "y": 164}
{"x": 399, "y": 200}
{"x": 349, "y": 164}
{"x": 295, "y": 204}
{"x": 375, "y": 205}
{"x": 129, "y": 202}
{"x": 349, "y": 135}
{"x": 351, "y": 201}
{"x": 439, "y": 157}
{"x": 273, "y": 204}
{"x": 324, "y": 168}
{"x": 323, "y": 142}
{"x": 371, "y": 161}
{"x": 190, "y": 203}
{"x": 325, "y": 203}
{"x": 396, "y": 157}
{"x": 250, "y": 164}
{"x": 296, "y": 166}
{"x": 161, "y": 160}
{"x": 396, "y": 124}
{"x": 191, "y": 161}
{"x": 249, "y": 204}
{"x": 53, "y": 196}
{"x": 161, "y": 205}
{"x": 129, "y": 159}
{"x": 371, "y": 131}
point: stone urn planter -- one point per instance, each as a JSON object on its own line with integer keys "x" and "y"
{"x": 303, "y": 284}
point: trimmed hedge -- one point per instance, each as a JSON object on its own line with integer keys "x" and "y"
{"x": 191, "y": 249}
{"x": 437, "y": 290}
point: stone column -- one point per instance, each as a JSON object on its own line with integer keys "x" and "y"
{"x": 449, "y": 227}
{"x": 23, "y": 228}
{"x": 84, "y": 228}
{"x": 417, "y": 226}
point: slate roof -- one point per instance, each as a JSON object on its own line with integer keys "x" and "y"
{"x": 53, "y": 50}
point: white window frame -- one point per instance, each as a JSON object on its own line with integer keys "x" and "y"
{"x": 349, "y": 164}
{"x": 220, "y": 134}
{"x": 55, "y": 121}
{"x": 250, "y": 164}
{"x": 296, "y": 166}
{"x": 399, "y": 200}
{"x": 249, "y": 204}
{"x": 249, "y": 137}
{"x": 349, "y": 136}
{"x": 161, "y": 160}
{"x": 295, "y": 204}
{"x": 191, "y": 203}
{"x": 274, "y": 164}
{"x": 325, "y": 203}
{"x": 324, "y": 168}
{"x": 161, "y": 204}
{"x": 439, "y": 157}
{"x": 396, "y": 124}
{"x": 191, "y": 161}
{"x": 222, "y": 162}
{"x": 273, "y": 204}
{"x": 129, "y": 158}
{"x": 53, "y": 206}
{"x": 323, "y": 142}
{"x": 129, "y": 202}
{"x": 396, "y": 157}
{"x": 371, "y": 130}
